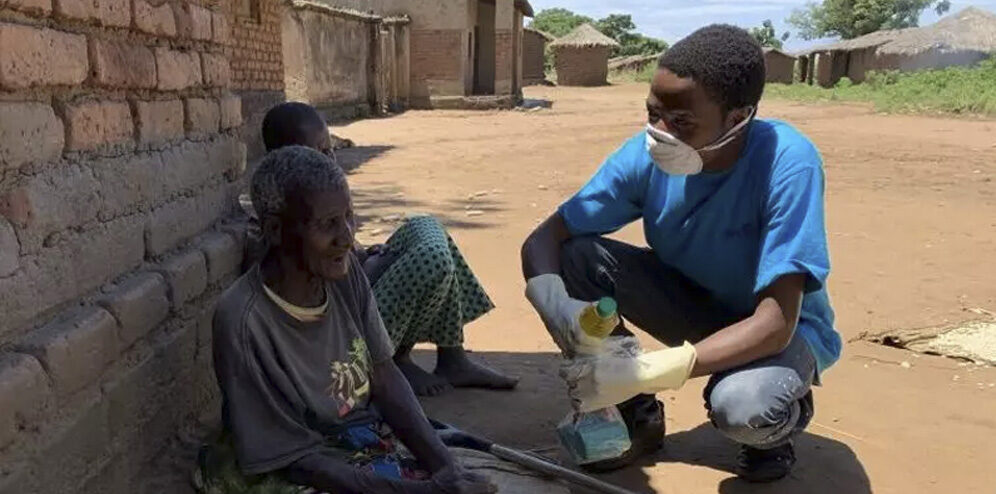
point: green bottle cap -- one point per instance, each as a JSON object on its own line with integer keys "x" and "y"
{"x": 606, "y": 307}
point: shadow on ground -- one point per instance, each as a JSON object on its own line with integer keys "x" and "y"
{"x": 383, "y": 206}
{"x": 350, "y": 159}
{"x": 526, "y": 418}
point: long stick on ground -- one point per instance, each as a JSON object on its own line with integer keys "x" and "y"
{"x": 454, "y": 437}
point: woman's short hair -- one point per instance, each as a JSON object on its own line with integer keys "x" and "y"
{"x": 292, "y": 171}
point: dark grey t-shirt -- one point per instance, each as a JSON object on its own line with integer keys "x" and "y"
{"x": 287, "y": 384}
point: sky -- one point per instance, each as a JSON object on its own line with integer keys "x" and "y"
{"x": 673, "y": 19}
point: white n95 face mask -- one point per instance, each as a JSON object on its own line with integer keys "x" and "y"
{"x": 674, "y": 157}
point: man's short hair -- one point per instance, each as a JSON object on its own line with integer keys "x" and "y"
{"x": 725, "y": 60}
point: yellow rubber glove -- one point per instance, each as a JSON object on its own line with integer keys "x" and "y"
{"x": 609, "y": 378}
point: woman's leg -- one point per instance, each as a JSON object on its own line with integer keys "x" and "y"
{"x": 427, "y": 295}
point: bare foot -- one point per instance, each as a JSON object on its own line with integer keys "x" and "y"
{"x": 422, "y": 382}
{"x": 459, "y": 370}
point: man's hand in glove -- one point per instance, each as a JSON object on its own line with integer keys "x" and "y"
{"x": 609, "y": 378}
{"x": 560, "y": 313}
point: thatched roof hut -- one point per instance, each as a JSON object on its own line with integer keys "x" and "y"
{"x": 778, "y": 65}
{"x": 582, "y": 57}
{"x": 959, "y": 39}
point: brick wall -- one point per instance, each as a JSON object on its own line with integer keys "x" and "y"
{"x": 582, "y": 66}
{"x": 257, "y": 64}
{"x": 119, "y": 155}
{"x": 533, "y": 47}
{"x": 505, "y": 60}
{"x": 436, "y": 63}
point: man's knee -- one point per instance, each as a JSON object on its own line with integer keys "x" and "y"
{"x": 758, "y": 413}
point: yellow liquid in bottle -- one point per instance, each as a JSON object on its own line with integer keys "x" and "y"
{"x": 599, "y": 319}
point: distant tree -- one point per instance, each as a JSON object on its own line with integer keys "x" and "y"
{"x": 616, "y": 26}
{"x": 765, "y": 35}
{"x": 621, "y": 27}
{"x": 852, "y": 18}
{"x": 558, "y": 21}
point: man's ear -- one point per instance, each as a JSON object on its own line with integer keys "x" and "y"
{"x": 738, "y": 115}
{"x": 271, "y": 228}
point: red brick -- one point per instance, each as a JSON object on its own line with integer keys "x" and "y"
{"x": 119, "y": 64}
{"x": 138, "y": 304}
{"x": 202, "y": 116}
{"x": 74, "y": 351}
{"x": 36, "y": 7}
{"x": 231, "y": 112}
{"x": 193, "y": 21}
{"x": 29, "y": 132}
{"x": 221, "y": 33}
{"x": 179, "y": 220}
{"x": 159, "y": 120}
{"x": 177, "y": 70}
{"x": 186, "y": 274}
{"x": 94, "y": 124}
{"x": 154, "y": 20}
{"x": 23, "y": 393}
{"x": 223, "y": 254}
{"x": 216, "y": 70}
{"x": 10, "y": 249}
{"x": 112, "y": 13}
{"x": 31, "y": 56}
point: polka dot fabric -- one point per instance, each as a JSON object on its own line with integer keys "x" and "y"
{"x": 429, "y": 293}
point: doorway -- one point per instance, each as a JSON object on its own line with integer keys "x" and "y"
{"x": 484, "y": 48}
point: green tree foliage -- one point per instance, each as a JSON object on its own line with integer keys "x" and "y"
{"x": 621, "y": 27}
{"x": 558, "y": 22}
{"x": 765, "y": 35}
{"x": 852, "y": 18}
{"x": 616, "y": 26}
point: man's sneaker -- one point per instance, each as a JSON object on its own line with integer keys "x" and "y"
{"x": 644, "y": 417}
{"x": 765, "y": 465}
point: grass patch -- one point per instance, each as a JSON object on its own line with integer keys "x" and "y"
{"x": 955, "y": 90}
{"x": 646, "y": 75}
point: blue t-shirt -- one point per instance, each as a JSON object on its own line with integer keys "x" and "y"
{"x": 735, "y": 232}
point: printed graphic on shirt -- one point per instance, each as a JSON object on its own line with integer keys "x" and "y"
{"x": 350, "y": 381}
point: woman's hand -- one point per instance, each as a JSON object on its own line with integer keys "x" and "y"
{"x": 454, "y": 479}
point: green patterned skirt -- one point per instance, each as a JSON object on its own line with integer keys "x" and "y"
{"x": 428, "y": 293}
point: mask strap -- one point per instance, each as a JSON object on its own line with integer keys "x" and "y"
{"x": 730, "y": 134}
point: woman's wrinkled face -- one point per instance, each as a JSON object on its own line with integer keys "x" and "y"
{"x": 323, "y": 234}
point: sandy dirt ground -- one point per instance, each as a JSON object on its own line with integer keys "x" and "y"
{"x": 912, "y": 229}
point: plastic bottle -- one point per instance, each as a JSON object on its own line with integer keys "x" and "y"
{"x": 598, "y": 320}
{"x": 600, "y": 434}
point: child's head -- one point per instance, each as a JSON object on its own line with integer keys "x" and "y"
{"x": 295, "y": 124}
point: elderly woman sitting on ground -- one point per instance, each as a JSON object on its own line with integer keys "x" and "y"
{"x": 312, "y": 396}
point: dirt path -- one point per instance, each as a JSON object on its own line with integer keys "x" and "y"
{"x": 912, "y": 224}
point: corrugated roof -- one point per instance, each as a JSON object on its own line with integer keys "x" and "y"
{"x": 582, "y": 36}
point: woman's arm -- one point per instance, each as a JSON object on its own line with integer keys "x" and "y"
{"x": 332, "y": 475}
{"x": 401, "y": 410}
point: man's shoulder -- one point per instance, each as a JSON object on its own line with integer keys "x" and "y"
{"x": 786, "y": 148}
